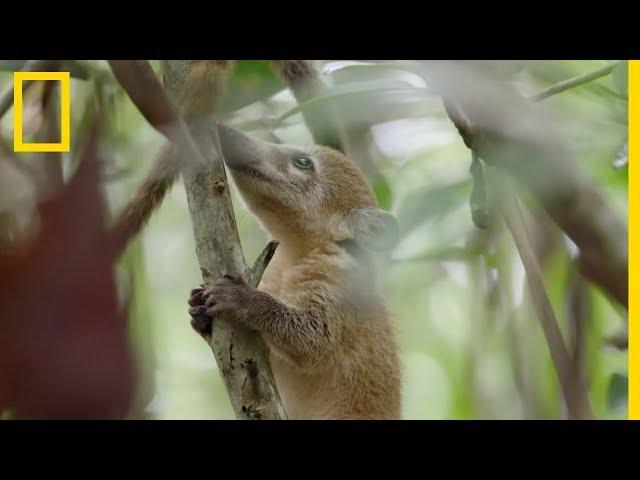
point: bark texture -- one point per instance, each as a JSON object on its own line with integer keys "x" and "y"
{"x": 239, "y": 352}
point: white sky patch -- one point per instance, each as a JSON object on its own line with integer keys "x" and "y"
{"x": 458, "y": 272}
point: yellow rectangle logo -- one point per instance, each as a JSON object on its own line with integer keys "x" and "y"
{"x": 65, "y": 112}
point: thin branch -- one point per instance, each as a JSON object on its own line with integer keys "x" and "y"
{"x": 573, "y": 82}
{"x": 261, "y": 263}
{"x": 523, "y": 144}
{"x": 6, "y": 99}
{"x": 238, "y": 351}
{"x": 572, "y": 384}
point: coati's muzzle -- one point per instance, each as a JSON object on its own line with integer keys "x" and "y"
{"x": 240, "y": 151}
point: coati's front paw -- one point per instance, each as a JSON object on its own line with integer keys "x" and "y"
{"x": 200, "y": 320}
{"x": 228, "y": 297}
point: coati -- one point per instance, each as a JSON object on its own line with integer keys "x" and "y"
{"x": 329, "y": 338}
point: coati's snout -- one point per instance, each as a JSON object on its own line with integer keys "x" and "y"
{"x": 239, "y": 150}
{"x": 306, "y": 191}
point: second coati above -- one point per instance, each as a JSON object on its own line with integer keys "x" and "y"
{"x": 329, "y": 338}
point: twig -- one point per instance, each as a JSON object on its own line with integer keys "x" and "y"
{"x": 571, "y": 382}
{"x": 6, "y": 99}
{"x": 522, "y": 144}
{"x": 572, "y": 83}
{"x": 261, "y": 263}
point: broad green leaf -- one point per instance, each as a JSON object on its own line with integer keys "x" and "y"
{"x": 621, "y": 77}
{"x": 361, "y": 89}
{"x": 617, "y": 392}
{"x": 462, "y": 254}
{"x": 431, "y": 204}
{"x": 252, "y": 81}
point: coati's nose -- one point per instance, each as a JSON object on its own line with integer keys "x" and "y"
{"x": 239, "y": 150}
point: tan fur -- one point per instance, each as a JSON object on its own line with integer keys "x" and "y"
{"x": 338, "y": 358}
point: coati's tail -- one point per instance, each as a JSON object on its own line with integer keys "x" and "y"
{"x": 198, "y": 94}
{"x": 144, "y": 201}
{"x": 204, "y": 85}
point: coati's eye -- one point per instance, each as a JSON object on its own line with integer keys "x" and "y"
{"x": 303, "y": 163}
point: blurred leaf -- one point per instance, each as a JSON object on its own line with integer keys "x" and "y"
{"x": 617, "y": 392}
{"x": 431, "y": 204}
{"x": 462, "y": 254}
{"x": 252, "y": 81}
{"x": 622, "y": 159}
{"x": 63, "y": 340}
{"x": 383, "y": 192}
{"x": 478, "y": 198}
{"x": 621, "y": 77}
{"x": 359, "y": 90}
{"x": 75, "y": 68}
{"x": 342, "y": 71}
{"x": 11, "y": 65}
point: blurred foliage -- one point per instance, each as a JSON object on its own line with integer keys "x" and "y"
{"x": 470, "y": 343}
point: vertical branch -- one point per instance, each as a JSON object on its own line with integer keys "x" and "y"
{"x": 578, "y": 313}
{"x": 239, "y": 351}
{"x": 572, "y": 384}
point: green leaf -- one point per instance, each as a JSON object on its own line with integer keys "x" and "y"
{"x": 621, "y": 77}
{"x": 382, "y": 189}
{"x": 617, "y": 391}
{"x": 462, "y": 254}
{"x": 252, "y": 81}
{"x": 431, "y": 204}
{"x": 478, "y": 199}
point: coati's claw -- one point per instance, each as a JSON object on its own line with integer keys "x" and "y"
{"x": 198, "y": 310}
{"x": 197, "y": 291}
{"x": 202, "y": 325}
{"x": 225, "y": 297}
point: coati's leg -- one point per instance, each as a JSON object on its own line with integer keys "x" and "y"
{"x": 305, "y": 337}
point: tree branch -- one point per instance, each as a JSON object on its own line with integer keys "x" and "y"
{"x": 573, "y": 82}
{"x": 6, "y": 99}
{"x": 572, "y": 384}
{"x": 500, "y": 125}
{"x": 238, "y": 351}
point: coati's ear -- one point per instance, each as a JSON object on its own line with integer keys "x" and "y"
{"x": 371, "y": 228}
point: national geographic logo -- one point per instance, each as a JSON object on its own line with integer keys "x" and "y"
{"x": 65, "y": 111}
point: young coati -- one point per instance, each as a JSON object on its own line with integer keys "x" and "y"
{"x": 329, "y": 338}
{"x": 330, "y": 341}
